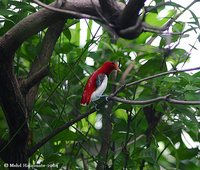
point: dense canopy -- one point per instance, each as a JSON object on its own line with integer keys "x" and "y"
{"x": 150, "y": 119}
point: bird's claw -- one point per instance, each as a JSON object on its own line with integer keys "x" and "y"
{"x": 106, "y": 97}
{"x": 95, "y": 106}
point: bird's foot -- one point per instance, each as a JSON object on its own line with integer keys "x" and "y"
{"x": 95, "y": 106}
{"x": 106, "y": 97}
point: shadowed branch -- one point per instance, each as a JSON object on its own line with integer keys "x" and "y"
{"x": 34, "y": 79}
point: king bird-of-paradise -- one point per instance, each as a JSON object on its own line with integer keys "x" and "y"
{"x": 97, "y": 82}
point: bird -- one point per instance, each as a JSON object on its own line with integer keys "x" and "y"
{"x": 97, "y": 82}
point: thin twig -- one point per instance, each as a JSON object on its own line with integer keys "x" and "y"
{"x": 61, "y": 128}
{"x": 130, "y": 143}
{"x": 139, "y": 102}
{"x": 152, "y": 77}
{"x": 150, "y": 101}
{"x": 150, "y": 28}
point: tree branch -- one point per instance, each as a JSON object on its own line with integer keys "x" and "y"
{"x": 106, "y": 135}
{"x": 34, "y": 79}
{"x": 68, "y": 12}
{"x": 130, "y": 25}
{"x": 78, "y": 118}
{"x": 139, "y": 102}
{"x": 152, "y": 77}
{"x": 24, "y": 29}
{"x": 130, "y": 14}
{"x": 106, "y": 132}
{"x": 110, "y": 10}
{"x": 38, "y": 21}
{"x": 14, "y": 108}
{"x": 126, "y": 73}
{"x": 41, "y": 62}
{"x": 154, "y": 100}
{"x": 135, "y": 29}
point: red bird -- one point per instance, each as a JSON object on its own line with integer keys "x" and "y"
{"x": 97, "y": 82}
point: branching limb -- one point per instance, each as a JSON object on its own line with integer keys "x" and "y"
{"x": 101, "y": 15}
{"x": 130, "y": 14}
{"x": 140, "y": 26}
{"x": 34, "y": 79}
{"x": 134, "y": 28}
{"x": 110, "y": 10}
{"x": 42, "y": 61}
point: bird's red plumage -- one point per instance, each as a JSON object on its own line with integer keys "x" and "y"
{"x": 91, "y": 86}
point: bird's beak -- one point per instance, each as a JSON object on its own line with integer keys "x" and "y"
{"x": 117, "y": 68}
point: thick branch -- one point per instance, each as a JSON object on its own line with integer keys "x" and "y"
{"x": 39, "y": 21}
{"x": 24, "y": 29}
{"x": 42, "y": 60}
{"x": 14, "y": 108}
{"x": 110, "y": 10}
{"x": 34, "y": 79}
{"x": 130, "y": 14}
{"x": 68, "y": 12}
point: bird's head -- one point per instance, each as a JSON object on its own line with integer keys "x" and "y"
{"x": 109, "y": 66}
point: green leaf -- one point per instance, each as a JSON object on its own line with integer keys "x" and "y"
{"x": 121, "y": 114}
{"x": 178, "y": 27}
{"x": 154, "y": 20}
{"x": 6, "y": 12}
{"x": 5, "y": 3}
{"x": 191, "y": 88}
{"x": 192, "y": 96}
{"x": 149, "y": 155}
{"x": 23, "y": 6}
{"x": 67, "y": 34}
{"x": 172, "y": 79}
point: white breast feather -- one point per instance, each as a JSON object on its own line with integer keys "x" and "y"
{"x": 99, "y": 91}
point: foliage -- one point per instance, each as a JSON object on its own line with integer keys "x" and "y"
{"x": 60, "y": 93}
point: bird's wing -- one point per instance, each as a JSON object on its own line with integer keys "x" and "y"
{"x": 100, "y": 79}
